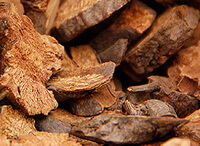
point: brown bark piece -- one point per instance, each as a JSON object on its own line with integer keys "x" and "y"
{"x": 42, "y": 13}
{"x": 182, "y": 103}
{"x": 84, "y": 56}
{"x": 115, "y": 53}
{"x": 81, "y": 79}
{"x": 15, "y": 123}
{"x": 44, "y": 139}
{"x": 93, "y": 104}
{"x": 185, "y": 70}
{"x": 165, "y": 38}
{"x": 180, "y": 142}
{"x": 76, "y": 16}
{"x": 117, "y": 129}
{"x": 191, "y": 129}
{"x": 52, "y": 125}
{"x": 17, "y": 4}
{"x": 132, "y": 22}
{"x": 67, "y": 117}
{"x": 28, "y": 59}
{"x": 151, "y": 107}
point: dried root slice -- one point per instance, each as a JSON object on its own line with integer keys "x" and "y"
{"x": 42, "y": 13}
{"x": 131, "y": 23}
{"x": 161, "y": 88}
{"x": 119, "y": 129}
{"x": 185, "y": 70}
{"x": 28, "y": 59}
{"x": 192, "y": 129}
{"x": 14, "y": 123}
{"x": 165, "y": 38}
{"x": 82, "y": 79}
{"x": 180, "y": 141}
{"x": 76, "y": 16}
{"x": 68, "y": 118}
{"x": 17, "y": 4}
{"x": 42, "y": 138}
{"x": 93, "y": 104}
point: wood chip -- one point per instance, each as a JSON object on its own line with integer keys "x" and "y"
{"x": 42, "y": 13}
{"x": 165, "y": 38}
{"x": 14, "y": 123}
{"x": 42, "y": 138}
{"x": 115, "y": 53}
{"x": 185, "y": 70}
{"x": 52, "y": 125}
{"x": 81, "y": 79}
{"x": 17, "y": 4}
{"x": 76, "y": 16}
{"x": 182, "y": 103}
{"x": 131, "y": 23}
{"x": 67, "y": 117}
{"x": 191, "y": 129}
{"x": 151, "y": 107}
{"x": 117, "y": 129}
{"x": 27, "y": 62}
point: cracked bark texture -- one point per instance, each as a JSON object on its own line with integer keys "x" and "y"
{"x": 42, "y": 13}
{"x": 15, "y": 123}
{"x": 119, "y": 129}
{"x": 76, "y": 16}
{"x": 166, "y": 37}
{"x": 131, "y": 23}
{"x": 28, "y": 59}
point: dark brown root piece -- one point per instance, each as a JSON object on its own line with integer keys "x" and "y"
{"x": 119, "y": 129}
{"x": 132, "y": 22}
{"x": 151, "y": 107}
{"x": 42, "y": 13}
{"x": 28, "y": 59}
{"x": 76, "y": 16}
{"x": 161, "y": 88}
{"x": 52, "y": 125}
{"x": 165, "y": 38}
{"x": 14, "y": 123}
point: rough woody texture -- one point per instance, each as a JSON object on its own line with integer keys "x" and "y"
{"x": 76, "y": 16}
{"x": 41, "y": 138}
{"x": 179, "y": 142}
{"x": 165, "y": 38}
{"x": 151, "y": 107}
{"x": 162, "y": 88}
{"x": 114, "y": 53}
{"x": 120, "y": 129}
{"x": 191, "y": 129}
{"x": 42, "y": 13}
{"x": 93, "y": 104}
{"x": 52, "y": 125}
{"x": 17, "y": 4}
{"x": 28, "y": 59}
{"x": 82, "y": 79}
{"x": 185, "y": 70}
{"x": 14, "y": 123}
{"x": 67, "y": 117}
{"x": 132, "y": 22}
